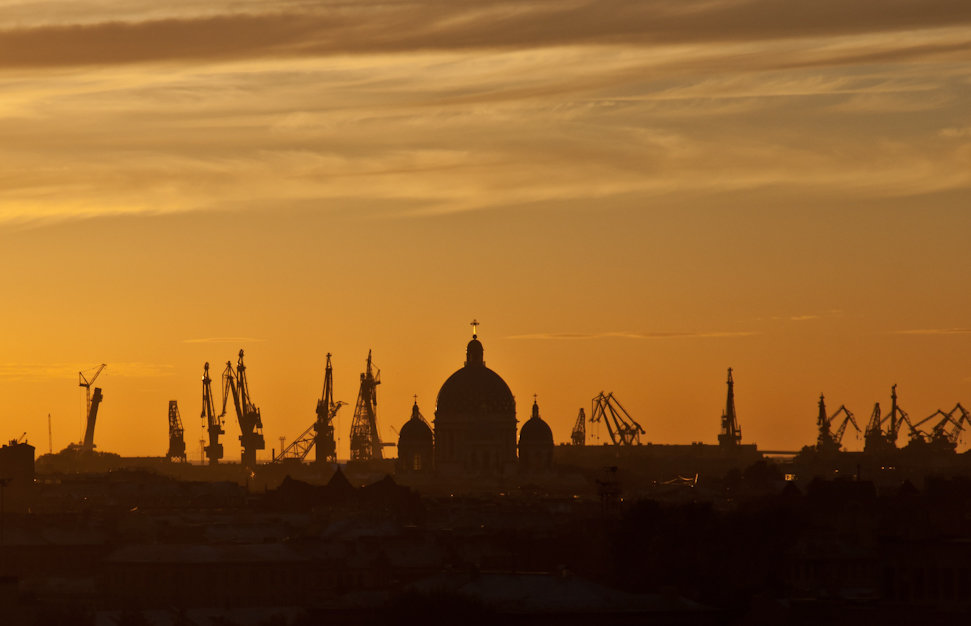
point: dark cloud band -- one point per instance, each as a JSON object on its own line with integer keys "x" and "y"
{"x": 432, "y": 25}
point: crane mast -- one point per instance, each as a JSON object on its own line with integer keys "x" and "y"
{"x": 731, "y": 432}
{"x": 247, "y": 414}
{"x": 212, "y": 422}
{"x": 365, "y": 441}
{"x": 176, "y": 440}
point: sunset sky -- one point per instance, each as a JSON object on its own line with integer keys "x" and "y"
{"x": 630, "y": 196}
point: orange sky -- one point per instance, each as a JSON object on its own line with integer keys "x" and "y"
{"x": 630, "y": 196}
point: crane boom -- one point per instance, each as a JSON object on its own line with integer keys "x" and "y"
{"x": 849, "y": 419}
{"x": 621, "y": 427}
{"x": 579, "y": 434}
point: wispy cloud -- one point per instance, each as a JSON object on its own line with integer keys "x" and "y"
{"x": 796, "y": 318}
{"x": 224, "y": 340}
{"x": 68, "y": 371}
{"x": 933, "y": 331}
{"x": 635, "y": 335}
{"x": 431, "y": 107}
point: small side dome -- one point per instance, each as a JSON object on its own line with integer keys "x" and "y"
{"x": 416, "y": 445}
{"x": 416, "y": 430}
{"x": 535, "y": 444}
{"x": 536, "y": 432}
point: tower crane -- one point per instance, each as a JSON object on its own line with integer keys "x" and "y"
{"x": 176, "y": 440}
{"x": 579, "y": 434}
{"x": 247, "y": 414}
{"x": 365, "y": 440}
{"x": 212, "y": 422}
{"x": 91, "y": 404}
{"x": 622, "y": 428}
{"x": 731, "y": 432}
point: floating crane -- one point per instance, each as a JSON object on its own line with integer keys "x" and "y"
{"x": 622, "y": 428}
{"x": 247, "y": 414}
{"x": 91, "y": 404}
{"x": 176, "y": 440}
{"x": 579, "y": 434}
{"x": 731, "y": 432}
{"x": 827, "y": 441}
{"x": 365, "y": 440}
{"x": 212, "y": 422}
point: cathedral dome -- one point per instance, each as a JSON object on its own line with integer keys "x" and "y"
{"x": 535, "y": 432}
{"x": 475, "y": 419}
{"x": 475, "y": 390}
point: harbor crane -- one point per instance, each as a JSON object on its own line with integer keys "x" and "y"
{"x": 622, "y": 428}
{"x": 366, "y": 442}
{"x": 326, "y": 414}
{"x": 945, "y": 432}
{"x": 828, "y": 441}
{"x": 882, "y": 430}
{"x": 579, "y": 434}
{"x": 213, "y": 423}
{"x": 91, "y": 404}
{"x": 247, "y": 414}
{"x": 176, "y": 440}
